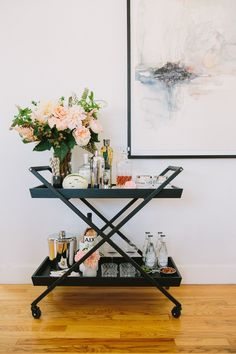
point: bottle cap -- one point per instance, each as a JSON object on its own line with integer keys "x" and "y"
{"x": 62, "y": 234}
{"x": 106, "y": 142}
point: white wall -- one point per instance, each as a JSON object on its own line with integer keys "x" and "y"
{"x": 50, "y": 48}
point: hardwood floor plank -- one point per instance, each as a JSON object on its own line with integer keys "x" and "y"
{"x": 118, "y": 320}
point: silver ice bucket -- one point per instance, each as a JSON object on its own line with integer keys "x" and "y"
{"x": 62, "y": 250}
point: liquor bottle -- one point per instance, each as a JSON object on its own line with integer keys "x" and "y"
{"x": 163, "y": 254}
{"x": 84, "y": 170}
{"x": 150, "y": 255}
{"x": 97, "y": 166}
{"x": 90, "y": 235}
{"x": 123, "y": 170}
{"x": 107, "y": 153}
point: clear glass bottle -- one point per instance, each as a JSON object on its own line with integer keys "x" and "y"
{"x": 123, "y": 170}
{"x": 163, "y": 254}
{"x": 150, "y": 255}
{"x": 84, "y": 170}
{"x": 107, "y": 153}
{"x": 145, "y": 245}
{"x": 97, "y": 165}
{"x": 158, "y": 242}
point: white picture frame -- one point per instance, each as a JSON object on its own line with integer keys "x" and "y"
{"x": 181, "y": 78}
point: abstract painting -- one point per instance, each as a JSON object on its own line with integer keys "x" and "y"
{"x": 181, "y": 78}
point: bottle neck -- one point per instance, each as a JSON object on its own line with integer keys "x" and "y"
{"x": 163, "y": 239}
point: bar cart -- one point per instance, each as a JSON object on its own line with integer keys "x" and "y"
{"x": 138, "y": 198}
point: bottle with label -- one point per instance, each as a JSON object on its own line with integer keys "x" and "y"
{"x": 90, "y": 235}
{"x": 97, "y": 166}
{"x": 107, "y": 153}
{"x": 163, "y": 254}
{"x": 84, "y": 170}
{"x": 123, "y": 170}
{"x": 150, "y": 255}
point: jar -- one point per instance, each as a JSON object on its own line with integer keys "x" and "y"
{"x": 123, "y": 170}
{"x": 143, "y": 181}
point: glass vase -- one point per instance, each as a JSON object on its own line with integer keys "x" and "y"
{"x": 65, "y": 165}
{"x": 60, "y": 169}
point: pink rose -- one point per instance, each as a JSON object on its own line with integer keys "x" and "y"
{"x": 58, "y": 118}
{"x": 26, "y": 133}
{"x": 60, "y": 112}
{"x": 95, "y": 126}
{"x": 60, "y": 124}
{"x": 91, "y": 261}
{"x": 82, "y": 136}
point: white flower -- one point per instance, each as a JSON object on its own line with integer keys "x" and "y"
{"x": 82, "y": 136}
{"x": 43, "y": 111}
{"x": 75, "y": 116}
{"x": 95, "y": 126}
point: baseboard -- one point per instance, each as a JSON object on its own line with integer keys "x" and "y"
{"x": 191, "y": 274}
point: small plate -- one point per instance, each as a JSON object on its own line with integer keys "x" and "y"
{"x": 165, "y": 271}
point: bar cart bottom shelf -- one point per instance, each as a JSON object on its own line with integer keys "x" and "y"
{"x": 42, "y": 276}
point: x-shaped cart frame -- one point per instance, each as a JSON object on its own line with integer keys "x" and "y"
{"x": 176, "y": 311}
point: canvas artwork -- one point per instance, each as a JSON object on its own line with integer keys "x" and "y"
{"x": 182, "y": 78}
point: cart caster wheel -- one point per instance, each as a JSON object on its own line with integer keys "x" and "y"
{"x": 36, "y": 312}
{"x": 176, "y": 312}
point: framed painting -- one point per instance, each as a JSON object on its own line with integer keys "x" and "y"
{"x": 181, "y": 78}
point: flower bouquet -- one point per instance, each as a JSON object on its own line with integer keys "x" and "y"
{"x": 90, "y": 265}
{"x": 60, "y": 125}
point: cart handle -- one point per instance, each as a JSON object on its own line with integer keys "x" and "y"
{"x": 41, "y": 168}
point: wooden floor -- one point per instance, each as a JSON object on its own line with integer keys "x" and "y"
{"x": 118, "y": 320}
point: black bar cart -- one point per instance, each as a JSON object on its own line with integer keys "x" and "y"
{"x": 138, "y": 198}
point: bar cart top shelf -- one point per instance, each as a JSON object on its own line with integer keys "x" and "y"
{"x": 44, "y": 192}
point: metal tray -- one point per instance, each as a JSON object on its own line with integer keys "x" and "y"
{"x": 44, "y": 192}
{"x": 42, "y": 276}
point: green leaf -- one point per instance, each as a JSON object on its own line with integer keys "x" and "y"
{"x": 25, "y": 111}
{"x": 61, "y": 151}
{"x": 91, "y": 96}
{"x": 71, "y": 142}
{"x": 26, "y": 141}
{"x": 43, "y": 145}
{"x": 94, "y": 136}
{"x": 85, "y": 94}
